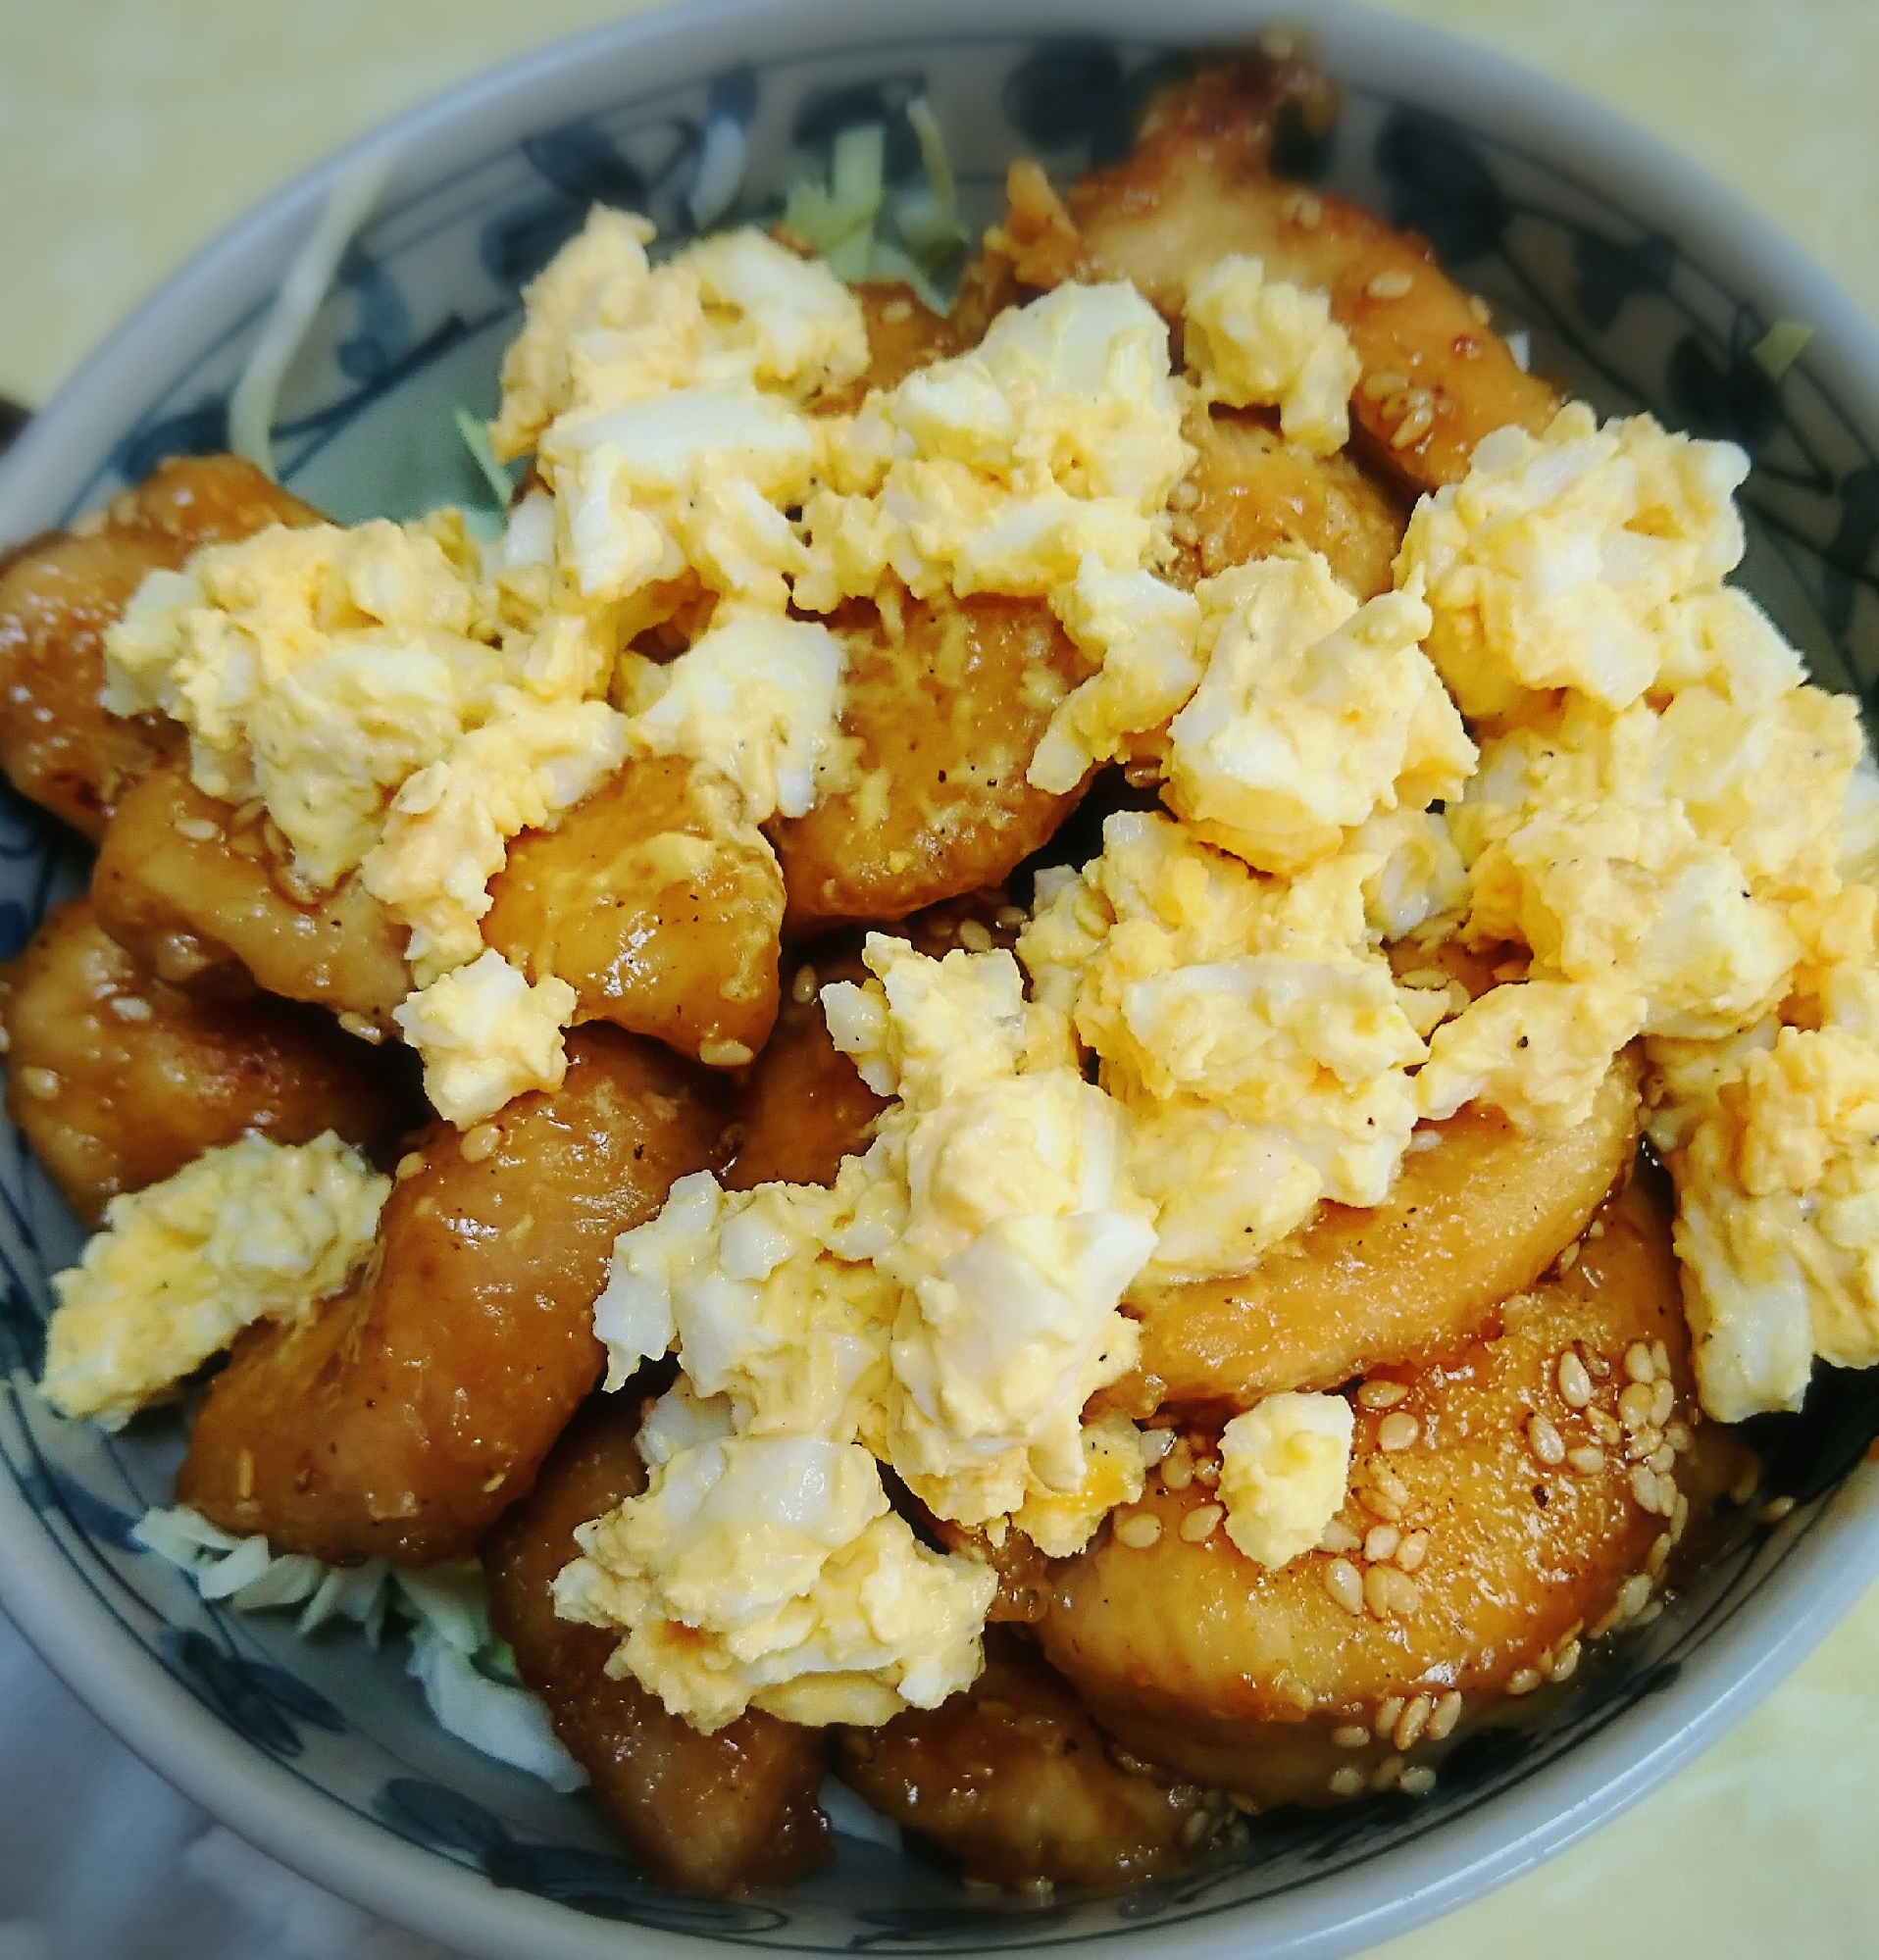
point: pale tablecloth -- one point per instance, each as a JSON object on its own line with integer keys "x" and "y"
{"x": 129, "y": 135}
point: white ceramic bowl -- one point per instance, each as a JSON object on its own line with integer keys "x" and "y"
{"x": 1643, "y": 286}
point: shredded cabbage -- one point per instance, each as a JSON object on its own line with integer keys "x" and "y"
{"x": 467, "y": 1676}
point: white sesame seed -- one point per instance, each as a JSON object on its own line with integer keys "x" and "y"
{"x": 1177, "y": 1471}
{"x": 1679, "y": 1518}
{"x": 1388, "y": 1710}
{"x": 1523, "y": 1681}
{"x": 1394, "y": 285}
{"x": 1658, "y": 1553}
{"x": 1417, "y": 423}
{"x": 1575, "y": 1384}
{"x": 1547, "y": 1442}
{"x": 1660, "y": 1357}
{"x": 1568, "y": 1258}
{"x": 131, "y": 1007}
{"x": 1413, "y": 1550}
{"x": 1639, "y": 1365}
{"x": 1633, "y": 1405}
{"x": 1139, "y": 1529}
{"x": 1011, "y": 917}
{"x": 1399, "y": 1431}
{"x": 1375, "y": 387}
{"x": 1677, "y": 1437}
{"x": 1353, "y": 1736}
{"x": 1587, "y": 1460}
{"x": 1185, "y": 530}
{"x": 1338, "y": 1536}
{"x": 1383, "y": 1394}
{"x": 1403, "y": 1597}
{"x": 1663, "y": 1459}
{"x": 1633, "y": 1594}
{"x": 1443, "y": 1717}
{"x": 1603, "y": 1427}
{"x": 1650, "y": 1613}
{"x": 1744, "y": 1487}
{"x": 1344, "y": 1583}
{"x": 1417, "y": 1781}
{"x": 1772, "y": 1512}
{"x": 1207, "y": 1471}
{"x": 1564, "y": 1663}
{"x": 1380, "y": 1542}
{"x": 1605, "y": 1623}
{"x": 803, "y": 988}
{"x": 198, "y": 829}
{"x": 1375, "y": 1591}
{"x": 1411, "y": 1723}
{"x": 361, "y": 1030}
{"x": 1346, "y": 1782}
{"x": 1596, "y": 1229}
{"x": 1384, "y": 1774}
{"x": 974, "y": 936}
{"x": 481, "y": 1143}
{"x": 41, "y": 1085}
{"x": 1664, "y": 1400}
{"x": 1196, "y": 1528}
{"x": 1644, "y": 1488}
{"x": 1645, "y": 1442}
{"x": 409, "y": 1165}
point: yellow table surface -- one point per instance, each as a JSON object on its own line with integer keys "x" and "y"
{"x": 129, "y": 133}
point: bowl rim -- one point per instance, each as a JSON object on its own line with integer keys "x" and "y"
{"x": 1832, "y": 1554}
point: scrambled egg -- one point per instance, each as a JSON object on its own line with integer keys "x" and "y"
{"x": 1251, "y": 1032}
{"x": 1254, "y": 341}
{"x": 1551, "y": 563}
{"x": 1283, "y": 1467}
{"x": 251, "y": 1231}
{"x": 486, "y": 1036}
{"x": 770, "y": 1571}
{"x": 1314, "y": 714}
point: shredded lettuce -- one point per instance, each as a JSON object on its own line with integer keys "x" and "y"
{"x": 474, "y": 432}
{"x": 915, "y": 236}
{"x": 1781, "y": 347}
{"x": 467, "y": 1676}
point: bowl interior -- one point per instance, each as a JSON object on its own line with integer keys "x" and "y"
{"x": 1639, "y": 284}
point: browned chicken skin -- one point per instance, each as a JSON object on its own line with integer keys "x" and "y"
{"x": 947, "y": 712}
{"x": 1196, "y": 188}
{"x": 1014, "y": 1780}
{"x": 402, "y": 1416}
{"x": 191, "y": 887}
{"x": 118, "y": 1081}
{"x": 1195, "y": 1657}
{"x": 705, "y": 1814}
{"x": 1466, "y": 1224}
{"x": 657, "y": 903}
{"x": 60, "y": 593}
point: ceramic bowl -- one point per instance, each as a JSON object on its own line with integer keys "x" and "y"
{"x": 1642, "y": 284}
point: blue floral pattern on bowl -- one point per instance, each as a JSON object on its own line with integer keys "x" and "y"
{"x": 424, "y": 302}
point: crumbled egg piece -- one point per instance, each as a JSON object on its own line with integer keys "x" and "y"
{"x": 1284, "y": 1468}
{"x": 1314, "y": 713}
{"x": 448, "y": 828}
{"x": 603, "y": 328}
{"x": 767, "y": 1296}
{"x": 250, "y": 1231}
{"x": 1258, "y": 341}
{"x": 768, "y": 1571}
{"x": 314, "y": 668}
{"x": 1254, "y": 1036}
{"x": 757, "y": 697}
{"x": 1537, "y": 1050}
{"x": 1056, "y": 439}
{"x": 1061, "y": 1522}
{"x": 1021, "y": 1234}
{"x": 1777, "y": 1218}
{"x": 1419, "y": 875}
{"x": 1142, "y": 633}
{"x": 486, "y": 1036}
{"x": 1555, "y": 560}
